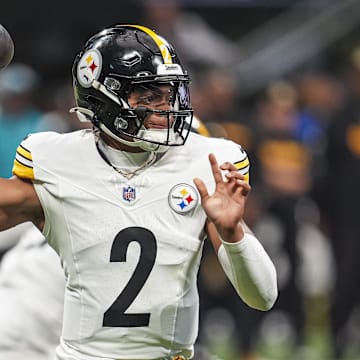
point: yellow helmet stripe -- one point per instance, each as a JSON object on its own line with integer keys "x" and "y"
{"x": 159, "y": 42}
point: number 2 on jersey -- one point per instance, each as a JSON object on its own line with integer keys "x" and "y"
{"x": 115, "y": 315}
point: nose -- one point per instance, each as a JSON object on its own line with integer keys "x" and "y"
{"x": 158, "y": 121}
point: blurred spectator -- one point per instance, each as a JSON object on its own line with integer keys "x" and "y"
{"x": 215, "y": 100}
{"x": 194, "y": 38}
{"x": 277, "y": 110}
{"x": 287, "y": 151}
{"x": 320, "y": 96}
{"x": 340, "y": 204}
{"x": 282, "y": 177}
{"x": 281, "y": 172}
{"x": 59, "y": 118}
{"x": 18, "y": 113}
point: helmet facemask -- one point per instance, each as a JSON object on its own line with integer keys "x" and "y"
{"x": 160, "y": 116}
{"x": 161, "y": 109}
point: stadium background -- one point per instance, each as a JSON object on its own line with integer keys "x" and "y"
{"x": 280, "y": 56}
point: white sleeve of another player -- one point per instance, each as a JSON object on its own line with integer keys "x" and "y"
{"x": 11, "y": 237}
{"x": 251, "y": 271}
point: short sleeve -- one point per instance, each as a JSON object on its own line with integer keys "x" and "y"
{"x": 23, "y": 163}
{"x": 243, "y": 163}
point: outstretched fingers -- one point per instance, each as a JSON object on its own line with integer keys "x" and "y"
{"x": 215, "y": 169}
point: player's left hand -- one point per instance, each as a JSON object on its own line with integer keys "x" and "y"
{"x": 226, "y": 206}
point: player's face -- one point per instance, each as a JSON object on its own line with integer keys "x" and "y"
{"x": 155, "y": 97}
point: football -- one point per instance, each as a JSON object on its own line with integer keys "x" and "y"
{"x": 6, "y": 48}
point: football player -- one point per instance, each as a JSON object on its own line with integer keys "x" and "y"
{"x": 128, "y": 204}
{"x": 31, "y": 296}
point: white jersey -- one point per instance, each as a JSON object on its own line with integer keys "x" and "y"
{"x": 130, "y": 248}
{"x": 31, "y": 297}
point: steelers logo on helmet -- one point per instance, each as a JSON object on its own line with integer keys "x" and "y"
{"x": 89, "y": 67}
{"x": 183, "y": 198}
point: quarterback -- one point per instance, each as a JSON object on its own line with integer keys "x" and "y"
{"x": 128, "y": 204}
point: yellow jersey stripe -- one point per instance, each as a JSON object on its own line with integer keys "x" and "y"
{"x": 23, "y": 171}
{"x": 159, "y": 42}
{"x": 23, "y": 152}
{"x": 247, "y": 177}
{"x": 242, "y": 164}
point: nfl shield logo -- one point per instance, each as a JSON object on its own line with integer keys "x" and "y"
{"x": 129, "y": 193}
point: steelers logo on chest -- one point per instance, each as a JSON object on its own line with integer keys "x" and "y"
{"x": 183, "y": 198}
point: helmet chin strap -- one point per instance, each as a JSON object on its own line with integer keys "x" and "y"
{"x": 142, "y": 144}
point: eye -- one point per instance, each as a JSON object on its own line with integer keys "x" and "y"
{"x": 156, "y": 96}
{"x": 146, "y": 100}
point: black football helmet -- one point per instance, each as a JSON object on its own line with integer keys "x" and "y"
{"x": 115, "y": 62}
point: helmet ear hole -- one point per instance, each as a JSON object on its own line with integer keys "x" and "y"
{"x": 121, "y": 124}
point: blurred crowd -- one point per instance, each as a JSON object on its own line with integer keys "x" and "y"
{"x": 302, "y": 135}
